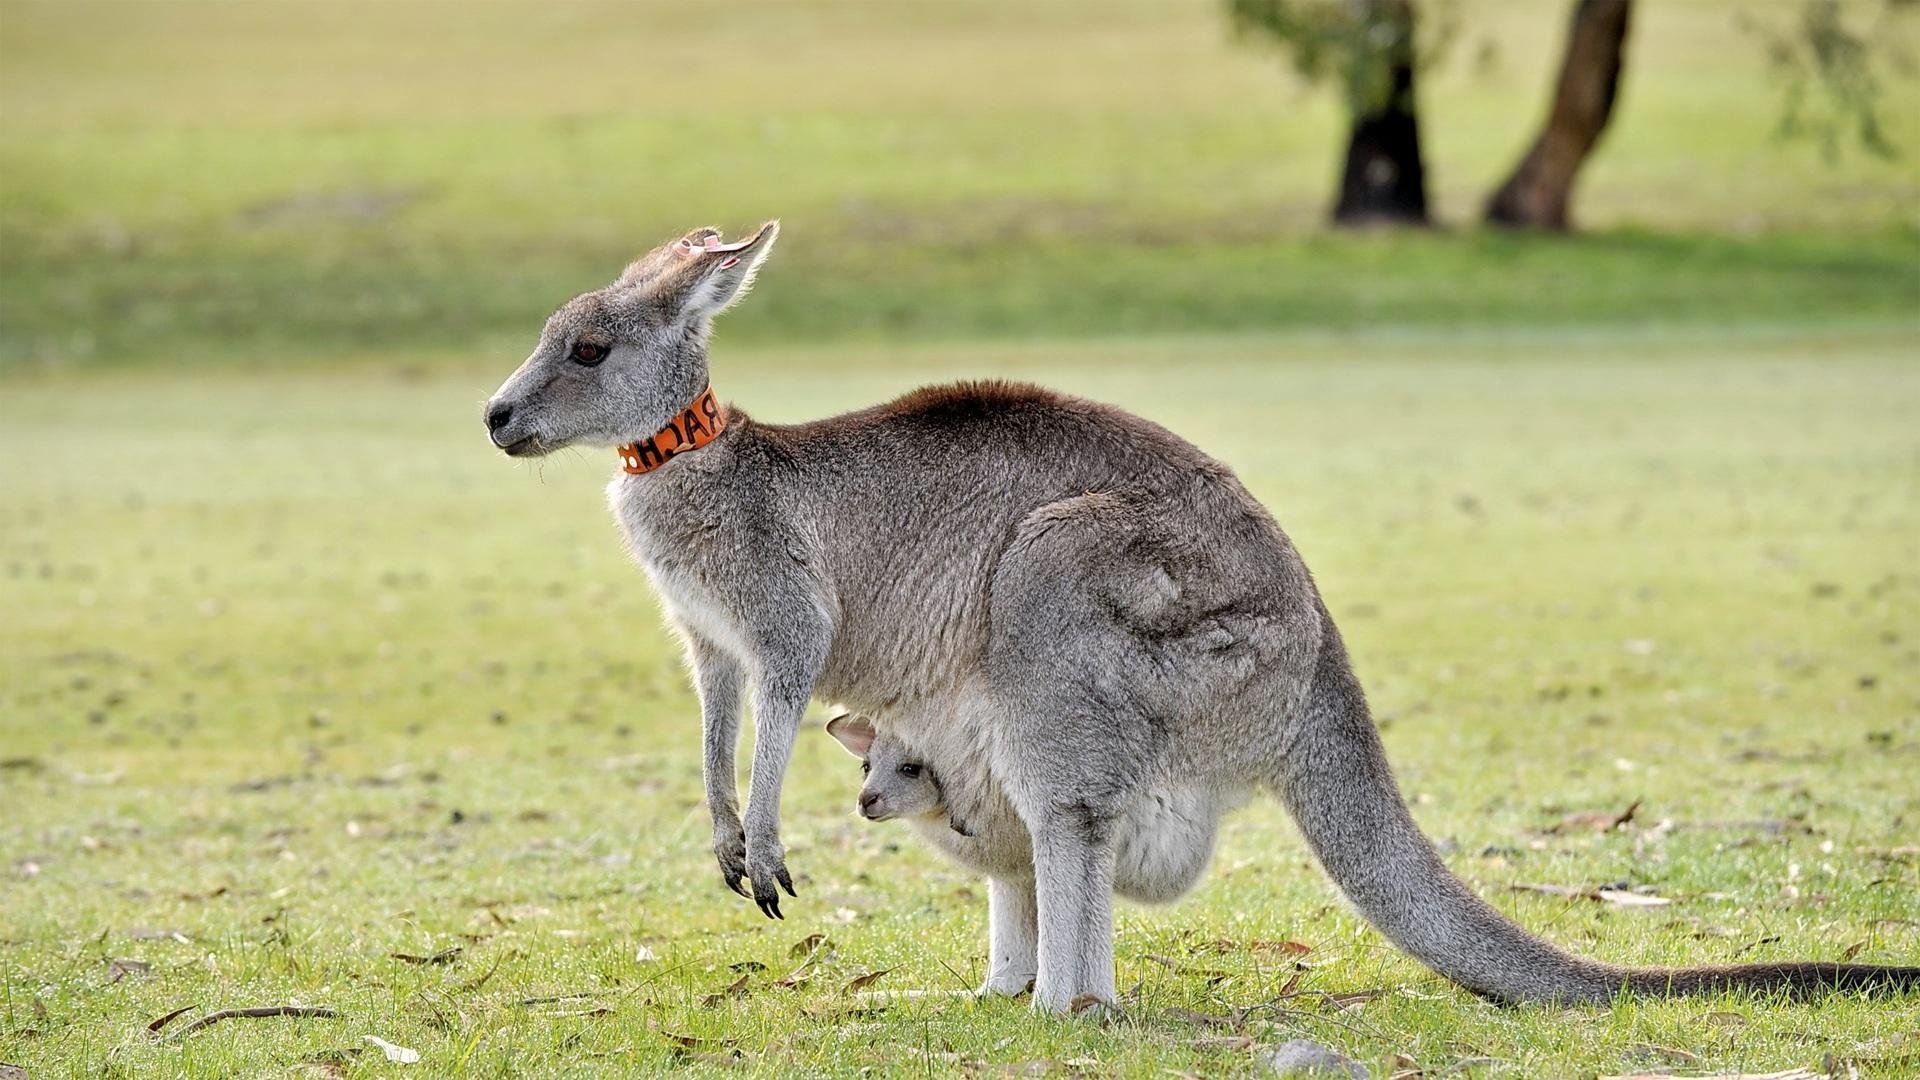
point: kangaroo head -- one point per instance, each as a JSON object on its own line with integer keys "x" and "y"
{"x": 618, "y": 363}
{"x": 898, "y": 783}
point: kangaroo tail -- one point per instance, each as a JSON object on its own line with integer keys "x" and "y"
{"x": 1335, "y": 780}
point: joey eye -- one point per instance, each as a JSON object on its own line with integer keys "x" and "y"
{"x": 588, "y": 353}
{"x": 866, "y": 767}
{"x": 910, "y": 770}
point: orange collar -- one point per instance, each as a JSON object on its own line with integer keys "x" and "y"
{"x": 697, "y": 425}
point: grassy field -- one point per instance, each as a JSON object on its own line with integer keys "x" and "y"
{"x": 302, "y": 684}
{"x": 289, "y": 182}
{"x": 299, "y": 675}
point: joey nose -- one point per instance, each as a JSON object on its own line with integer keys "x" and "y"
{"x": 868, "y": 800}
{"x": 497, "y": 416}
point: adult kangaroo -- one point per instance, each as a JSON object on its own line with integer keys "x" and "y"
{"x": 1075, "y": 600}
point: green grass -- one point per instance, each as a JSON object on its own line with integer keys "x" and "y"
{"x": 293, "y": 181}
{"x": 293, "y": 665}
{"x": 296, "y": 667}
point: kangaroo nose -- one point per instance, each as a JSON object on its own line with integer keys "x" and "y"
{"x": 497, "y": 416}
{"x": 867, "y": 800}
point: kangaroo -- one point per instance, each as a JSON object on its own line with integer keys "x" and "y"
{"x": 1074, "y": 600}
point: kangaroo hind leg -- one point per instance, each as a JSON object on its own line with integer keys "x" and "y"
{"x": 1082, "y": 728}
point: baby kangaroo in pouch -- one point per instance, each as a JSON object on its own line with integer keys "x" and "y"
{"x": 1162, "y": 841}
{"x": 1100, "y": 640}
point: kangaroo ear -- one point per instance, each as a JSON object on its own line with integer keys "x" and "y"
{"x": 667, "y": 256}
{"x": 854, "y": 732}
{"x": 702, "y": 276}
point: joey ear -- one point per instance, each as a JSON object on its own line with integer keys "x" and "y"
{"x": 856, "y": 733}
{"x": 703, "y": 276}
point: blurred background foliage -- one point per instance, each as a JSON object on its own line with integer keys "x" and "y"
{"x": 308, "y": 182}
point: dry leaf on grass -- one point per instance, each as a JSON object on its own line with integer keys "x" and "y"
{"x": 399, "y": 1055}
{"x": 813, "y": 949}
{"x": 1352, "y": 998}
{"x": 644, "y": 955}
{"x": 1551, "y": 890}
{"x": 553, "y": 999}
{"x": 1623, "y": 898}
{"x": 863, "y": 981}
{"x": 737, "y": 988}
{"x": 444, "y": 956}
{"x": 176, "y": 1014}
{"x": 471, "y": 985}
{"x": 312, "y": 1012}
{"x": 120, "y": 969}
{"x": 1597, "y": 820}
{"x": 1616, "y": 897}
{"x": 689, "y": 1042}
{"x": 799, "y": 976}
{"x": 1094, "y": 1005}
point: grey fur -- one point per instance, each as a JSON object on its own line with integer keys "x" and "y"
{"x": 1073, "y": 599}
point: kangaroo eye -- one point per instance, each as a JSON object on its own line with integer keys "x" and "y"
{"x": 866, "y": 767}
{"x": 910, "y": 770}
{"x": 588, "y": 353}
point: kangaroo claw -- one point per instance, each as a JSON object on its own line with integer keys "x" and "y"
{"x": 767, "y": 868}
{"x": 730, "y": 848}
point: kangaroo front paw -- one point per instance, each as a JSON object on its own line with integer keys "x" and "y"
{"x": 730, "y": 848}
{"x": 767, "y": 868}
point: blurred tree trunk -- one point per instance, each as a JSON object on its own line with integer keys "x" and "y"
{"x": 1536, "y": 195}
{"x": 1383, "y": 180}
